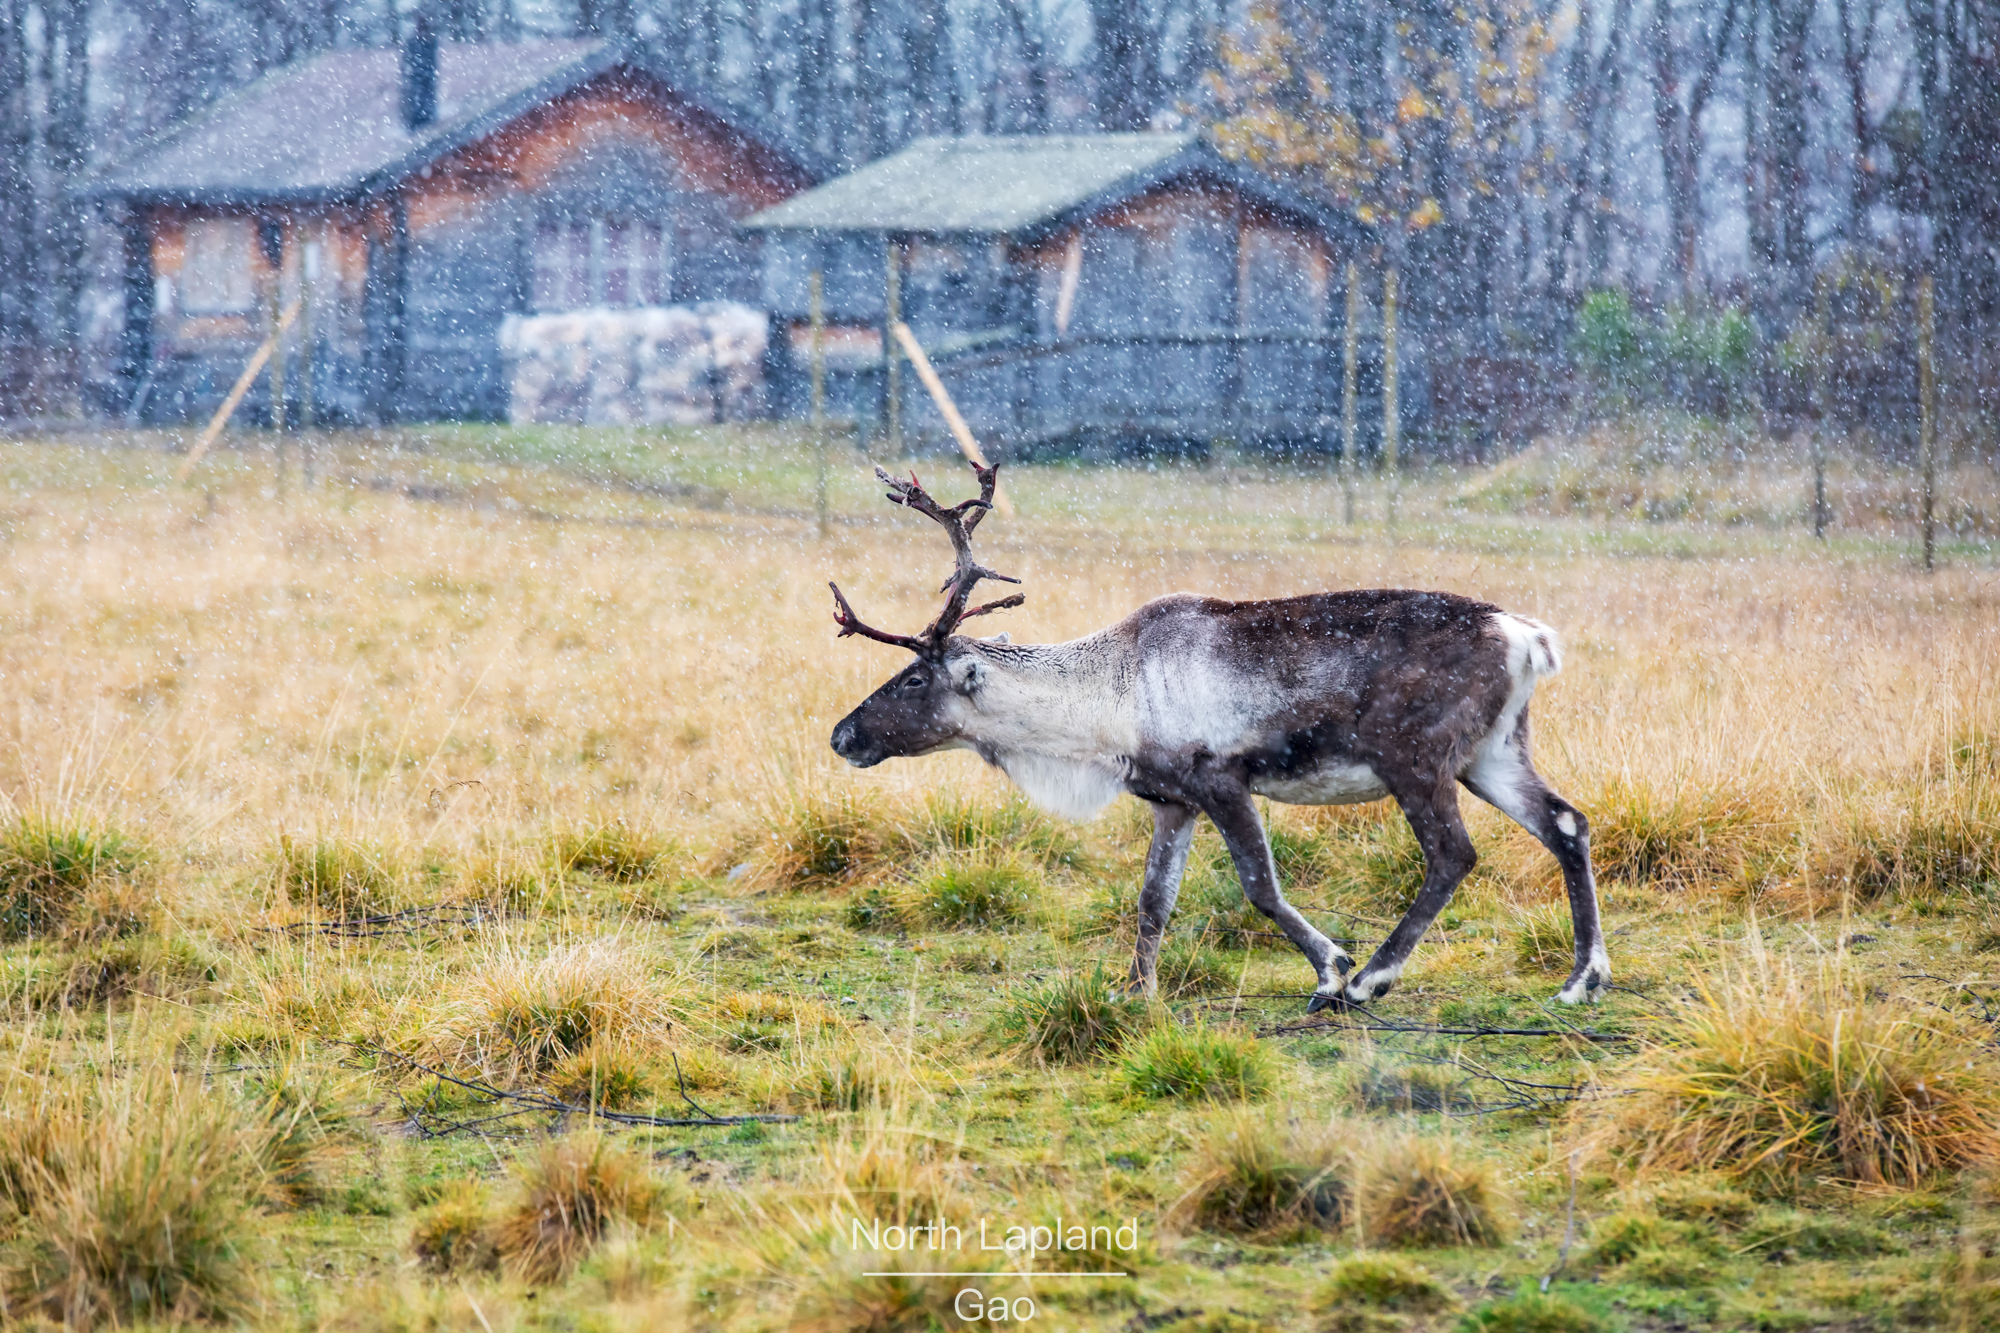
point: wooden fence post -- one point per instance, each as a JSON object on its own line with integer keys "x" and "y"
{"x": 817, "y": 297}
{"x": 271, "y": 313}
{"x": 892, "y": 315}
{"x": 1348, "y": 454}
{"x": 1392, "y": 417}
{"x": 309, "y": 253}
{"x": 1824, "y": 405}
{"x": 1927, "y": 431}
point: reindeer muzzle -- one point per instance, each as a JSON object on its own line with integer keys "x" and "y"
{"x": 856, "y": 748}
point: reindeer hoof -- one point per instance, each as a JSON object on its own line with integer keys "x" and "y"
{"x": 1322, "y": 1000}
{"x": 1586, "y": 989}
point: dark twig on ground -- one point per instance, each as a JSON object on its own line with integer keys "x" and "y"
{"x": 407, "y": 921}
{"x": 1362, "y": 1024}
{"x": 432, "y": 1124}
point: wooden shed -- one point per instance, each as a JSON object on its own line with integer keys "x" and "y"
{"x": 1136, "y": 289}
{"x": 415, "y": 197}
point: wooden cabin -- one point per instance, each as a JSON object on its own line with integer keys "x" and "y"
{"x": 1137, "y": 290}
{"x": 415, "y": 197}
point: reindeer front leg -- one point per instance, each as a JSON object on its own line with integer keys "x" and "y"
{"x": 1173, "y": 830}
{"x": 1229, "y": 804}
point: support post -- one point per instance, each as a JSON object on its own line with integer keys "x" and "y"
{"x": 1823, "y": 407}
{"x": 817, "y": 300}
{"x": 1927, "y": 431}
{"x": 1392, "y": 423}
{"x": 1349, "y": 454}
{"x": 309, "y": 256}
{"x": 271, "y": 315}
{"x": 892, "y": 315}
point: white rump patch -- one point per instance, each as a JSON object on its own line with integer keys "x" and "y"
{"x": 1077, "y": 789}
{"x": 1532, "y": 647}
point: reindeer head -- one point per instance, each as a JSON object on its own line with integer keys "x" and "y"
{"x": 916, "y": 712}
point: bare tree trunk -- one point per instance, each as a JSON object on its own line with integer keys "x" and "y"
{"x": 1024, "y": 19}
{"x": 933, "y": 75}
{"x": 17, "y": 210}
{"x": 66, "y": 76}
{"x": 1678, "y": 124}
{"x": 1791, "y": 21}
{"x": 1125, "y": 59}
{"x": 1857, "y": 44}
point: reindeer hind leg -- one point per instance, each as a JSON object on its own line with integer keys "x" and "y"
{"x": 1504, "y": 778}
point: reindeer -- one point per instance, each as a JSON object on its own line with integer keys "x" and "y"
{"x": 1196, "y": 705}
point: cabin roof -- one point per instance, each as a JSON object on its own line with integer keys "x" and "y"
{"x": 331, "y": 126}
{"x": 1012, "y": 184}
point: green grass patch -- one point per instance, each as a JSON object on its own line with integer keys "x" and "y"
{"x": 50, "y": 866}
{"x": 1197, "y": 1064}
{"x": 1072, "y": 1018}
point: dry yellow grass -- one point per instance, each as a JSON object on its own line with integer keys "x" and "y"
{"x": 613, "y": 727}
{"x": 415, "y": 675}
{"x": 1776, "y": 1075}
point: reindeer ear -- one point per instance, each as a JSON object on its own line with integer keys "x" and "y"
{"x": 1002, "y": 637}
{"x": 970, "y": 677}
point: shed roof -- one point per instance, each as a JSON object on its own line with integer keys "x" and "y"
{"x": 331, "y": 126}
{"x": 1014, "y": 183}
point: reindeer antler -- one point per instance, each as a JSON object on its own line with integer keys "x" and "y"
{"x": 958, "y": 523}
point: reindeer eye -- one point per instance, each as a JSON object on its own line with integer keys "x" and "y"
{"x": 916, "y": 682}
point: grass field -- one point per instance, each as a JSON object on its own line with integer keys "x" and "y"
{"x": 496, "y": 763}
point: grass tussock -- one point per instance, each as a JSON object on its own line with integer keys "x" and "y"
{"x": 1532, "y": 1312}
{"x": 1197, "y": 1064}
{"x": 1188, "y": 967}
{"x": 980, "y": 890}
{"x": 570, "y": 1191}
{"x": 54, "y": 870}
{"x": 605, "y": 1075}
{"x": 892, "y": 1171}
{"x": 819, "y": 841}
{"x": 972, "y": 893}
{"x": 135, "y": 1195}
{"x": 308, "y": 1117}
{"x": 615, "y": 852}
{"x": 112, "y": 970}
{"x": 815, "y": 841}
{"x": 1772, "y": 1076}
{"x": 1545, "y": 939}
{"x": 1268, "y": 1176}
{"x": 1070, "y": 1019}
{"x": 1379, "y": 1283}
{"x": 848, "y": 1076}
{"x": 840, "y": 1296}
{"x": 1429, "y": 1190}
{"x": 754, "y": 1021}
{"x": 520, "y": 1011}
{"x": 343, "y": 878}
{"x": 1687, "y": 834}
{"x": 455, "y": 1233}
{"x": 1937, "y": 846}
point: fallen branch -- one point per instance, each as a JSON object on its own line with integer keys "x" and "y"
{"x": 530, "y": 1102}
{"x": 407, "y": 921}
{"x": 1432, "y": 1030}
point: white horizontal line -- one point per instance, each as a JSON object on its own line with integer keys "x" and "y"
{"x": 1001, "y": 1273}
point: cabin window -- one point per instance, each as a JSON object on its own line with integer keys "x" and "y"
{"x": 215, "y": 267}
{"x": 602, "y": 262}
{"x": 1283, "y": 289}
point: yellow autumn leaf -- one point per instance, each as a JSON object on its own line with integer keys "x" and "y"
{"x": 1427, "y": 213}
